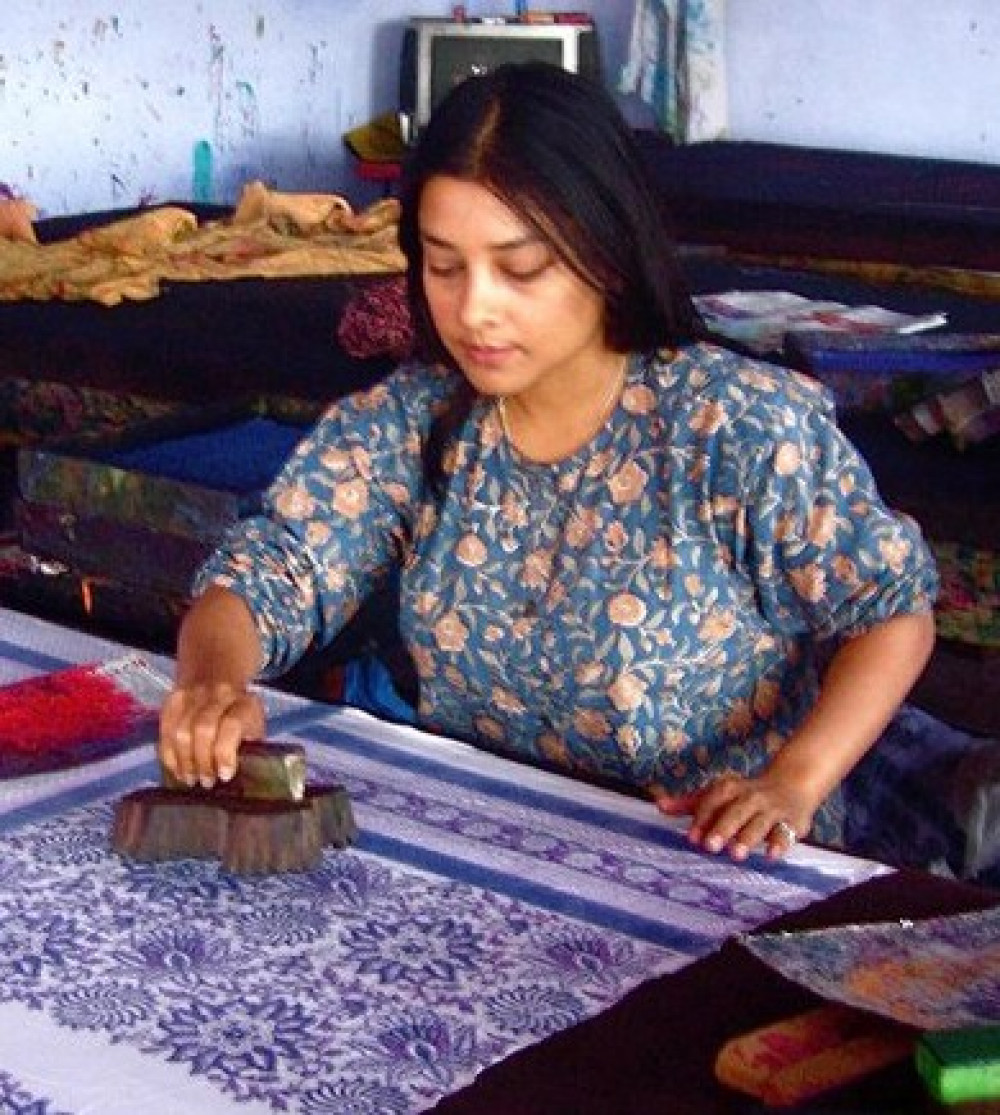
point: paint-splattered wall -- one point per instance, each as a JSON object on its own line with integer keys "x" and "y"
{"x": 107, "y": 106}
{"x": 911, "y": 77}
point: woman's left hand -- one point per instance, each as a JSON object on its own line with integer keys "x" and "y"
{"x": 738, "y": 814}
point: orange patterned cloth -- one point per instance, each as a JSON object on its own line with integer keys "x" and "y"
{"x": 270, "y": 235}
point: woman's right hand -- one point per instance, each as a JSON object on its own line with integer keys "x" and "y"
{"x": 202, "y": 727}
{"x": 211, "y": 709}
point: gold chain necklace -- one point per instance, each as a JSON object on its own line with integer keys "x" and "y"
{"x": 603, "y": 414}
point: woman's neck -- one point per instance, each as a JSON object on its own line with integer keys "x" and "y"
{"x": 550, "y": 427}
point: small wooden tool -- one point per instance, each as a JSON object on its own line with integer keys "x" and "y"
{"x": 266, "y": 819}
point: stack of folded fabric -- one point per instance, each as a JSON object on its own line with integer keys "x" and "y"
{"x": 932, "y": 383}
{"x": 935, "y": 455}
{"x": 134, "y": 513}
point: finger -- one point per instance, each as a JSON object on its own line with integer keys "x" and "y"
{"x": 175, "y": 738}
{"x": 709, "y": 826}
{"x": 674, "y": 805}
{"x": 204, "y": 733}
{"x": 729, "y": 828}
{"x": 169, "y": 715}
{"x": 245, "y": 720}
{"x": 781, "y": 838}
{"x": 220, "y": 729}
{"x": 756, "y": 831}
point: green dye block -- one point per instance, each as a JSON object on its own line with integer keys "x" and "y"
{"x": 960, "y": 1066}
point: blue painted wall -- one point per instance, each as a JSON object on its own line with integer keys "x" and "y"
{"x": 914, "y": 77}
{"x": 104, "y": 106}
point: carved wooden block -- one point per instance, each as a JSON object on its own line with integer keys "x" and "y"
{"x": 274, "y": 771}
{"x": 267, "y": 819}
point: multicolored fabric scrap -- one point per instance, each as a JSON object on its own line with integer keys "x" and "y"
{"x": 936, "y": 974}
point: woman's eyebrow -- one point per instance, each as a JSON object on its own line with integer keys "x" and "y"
{"x": 527, "y": 240}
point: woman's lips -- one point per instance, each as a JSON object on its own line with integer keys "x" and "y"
{"x": 488, "y": 357}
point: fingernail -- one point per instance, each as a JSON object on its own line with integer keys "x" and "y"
{"x": 207, "y": 782}
{"x": 226, "y": 774}
{"x": 714, "y": 844}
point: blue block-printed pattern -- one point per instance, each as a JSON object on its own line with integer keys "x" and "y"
{"x": 483, "y": 908}
{"x": 15, "y": 1099}
{"x": 359, "y": 986}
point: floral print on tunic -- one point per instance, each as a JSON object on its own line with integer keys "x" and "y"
{"x": 646, "y": 610}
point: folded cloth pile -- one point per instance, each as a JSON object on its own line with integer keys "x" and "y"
{"x": 271, "y": 234}
{"x": 931, "y": 383}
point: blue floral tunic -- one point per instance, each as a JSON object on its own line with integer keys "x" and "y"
{"x": 647, "y": 610}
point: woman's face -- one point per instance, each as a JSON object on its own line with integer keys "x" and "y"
{"x": 510, "y": 312}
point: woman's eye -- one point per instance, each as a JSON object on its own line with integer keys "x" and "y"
{"x": 527, "y": 274}
{"x": 442, "y": 270}
{"x": 502, "y": 270}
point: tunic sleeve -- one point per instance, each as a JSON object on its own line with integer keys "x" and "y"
{"x": 333, "y": 523}
{"x": 826, "y": 553}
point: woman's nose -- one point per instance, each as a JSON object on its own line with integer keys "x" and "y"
{"x": 479, "y": 302}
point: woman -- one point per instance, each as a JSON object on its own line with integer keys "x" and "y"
{"x": 622, "y": 551}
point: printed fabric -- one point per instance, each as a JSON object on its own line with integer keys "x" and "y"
{"x": 646, "y": 610}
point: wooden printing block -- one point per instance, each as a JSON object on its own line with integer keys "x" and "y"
{"x": 252, "y": 824}
{"x": 272, "y": 771}
{"x": 250, "y": 836}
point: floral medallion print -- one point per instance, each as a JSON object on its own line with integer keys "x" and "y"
{"x": 362, "y": 986}
{"x": 17, "y": 1100}
{"x": 387, "y": 977}
{"x": 486, "y": 906}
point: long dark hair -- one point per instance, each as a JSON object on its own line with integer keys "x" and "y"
{"x": 555, "y": 149}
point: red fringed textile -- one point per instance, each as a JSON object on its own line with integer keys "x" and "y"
{"x": 65, "y": 719}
